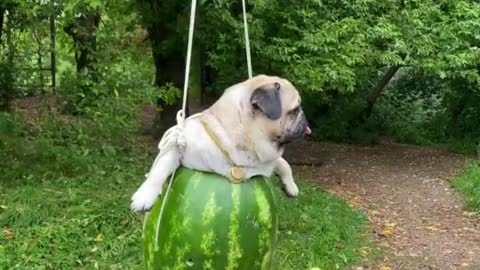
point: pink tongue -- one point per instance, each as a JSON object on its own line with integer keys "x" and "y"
{"x": 309, "y": 131}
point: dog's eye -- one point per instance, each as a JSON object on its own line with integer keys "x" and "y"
{"x": 294, "y": 111}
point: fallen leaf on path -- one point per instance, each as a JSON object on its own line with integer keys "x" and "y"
{"x": 384, "y": 245}
{"x": 390, "y": 225}
{"x": 387, "y": 232}
{"x": 365, "y": 253}
{"x": 469, "y": 214}
{"x": 432, "y": 228}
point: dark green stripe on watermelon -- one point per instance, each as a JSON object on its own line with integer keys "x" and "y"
{"x": 210, "y": 223}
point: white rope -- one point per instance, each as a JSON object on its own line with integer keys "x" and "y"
{"x": 189, "y": 58}
{"x": 181, "y": 114}
{"x": 247, "y": 40}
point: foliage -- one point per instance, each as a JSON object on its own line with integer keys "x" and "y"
{"x": 6, "y": 84}
{"x": 331, "y": 49}
{"x": 338, "y": 119}
{"x": 65, "y": 191}
{"x": 411, "y": 109}
{"x": 63, "y": 184}
{"x": 423, "y": 108}
{"x": 469, "y": 185}
{"x": 125, "y": 78}
{"x": 330, "y": 45}
{"x": 7, "y": 52}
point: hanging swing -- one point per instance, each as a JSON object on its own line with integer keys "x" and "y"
{"x": 218, "y": 224}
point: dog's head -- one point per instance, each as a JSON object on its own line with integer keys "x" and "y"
{"x": 276, "y": 109}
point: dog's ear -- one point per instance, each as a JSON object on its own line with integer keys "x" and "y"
{"x": 267, "y": 100}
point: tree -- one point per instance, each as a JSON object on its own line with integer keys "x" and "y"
{"x": 166, "y": 22}
{"x": 82, "y": 29}
{"x": 7, "y": 53}
{"x": 2, "y": 14}
{"x": 4, "y": 7}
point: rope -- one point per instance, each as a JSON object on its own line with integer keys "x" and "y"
{"x": 189, "y": 58}
{"x": 181, "y": 114}
{"x": 247, "y": 40}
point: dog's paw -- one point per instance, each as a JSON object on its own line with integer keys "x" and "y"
{"x": 144, "y": 199}
{"x": 291, "y": 190}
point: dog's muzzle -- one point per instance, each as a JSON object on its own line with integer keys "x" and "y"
{"x": 297, "y": 131}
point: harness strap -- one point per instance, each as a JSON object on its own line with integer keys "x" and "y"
{"x": 236, "y": 174}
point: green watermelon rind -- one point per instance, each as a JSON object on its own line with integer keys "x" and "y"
{"x": 210, "y": 223}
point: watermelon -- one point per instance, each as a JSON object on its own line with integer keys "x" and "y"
{"x": 209, "y": 223}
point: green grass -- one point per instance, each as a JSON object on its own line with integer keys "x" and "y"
{"x": 469, "y": 185}
{"x": 320, "y": 230}
{"x": 65, "y": 189}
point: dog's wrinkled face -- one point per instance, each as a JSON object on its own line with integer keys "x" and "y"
{"x": 277, "y": 109}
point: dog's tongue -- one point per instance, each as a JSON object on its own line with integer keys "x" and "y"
{"x": 309, "y": 131}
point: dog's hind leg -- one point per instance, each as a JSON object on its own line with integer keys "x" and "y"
{"x": 284, "y": 171}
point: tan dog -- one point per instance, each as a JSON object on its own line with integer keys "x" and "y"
{"x": 242, "y": 135}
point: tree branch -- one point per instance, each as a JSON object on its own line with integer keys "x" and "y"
{"x": 377, "y": 89}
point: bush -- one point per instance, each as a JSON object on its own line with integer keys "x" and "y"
{"x": 341, "y": 117}
{"x": 411, "y": 113}
{"x": 116, "y": 98}
{"x": 7, "y": 90}
{"x": 416, "y": 107}
{"x": 469, "y": 185}
{"x": 422, "y": 108}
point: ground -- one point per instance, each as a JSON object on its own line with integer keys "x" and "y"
{"x": 404, "y": 190}
{"x": 406, "y": 194}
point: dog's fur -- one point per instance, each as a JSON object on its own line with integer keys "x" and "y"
{"x": 253, "y": 119}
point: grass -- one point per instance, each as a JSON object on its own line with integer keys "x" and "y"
{"x": 469, "y": 185}
{"x": 318, "y": 230}
{"x": 65, "y": 188}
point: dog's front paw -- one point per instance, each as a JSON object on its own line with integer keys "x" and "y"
{"x": 291, "y": 190}
{"x": 144, "y": 199}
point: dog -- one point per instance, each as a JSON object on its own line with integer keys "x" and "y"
{"x": 243, "y": 134}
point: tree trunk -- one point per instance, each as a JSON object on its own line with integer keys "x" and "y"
{"x": 457, "y": 107}
{"x": 163, "y": 19}
{"x": 2, "y": 14}
{"x": 53, "y": 62}
{"x": 377, "y": 89}
{"x": 7, "y": 90}
{"x": 207, "y": 74}
{"x": 83, "y": 32}
{"x": 39, "y": 57}
{"x": 169, "y": 68}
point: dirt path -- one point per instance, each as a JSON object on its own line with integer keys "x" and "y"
{"x": 404, "y": 191}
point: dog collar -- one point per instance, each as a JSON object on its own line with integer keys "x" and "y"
{"x": 236, "y": 174}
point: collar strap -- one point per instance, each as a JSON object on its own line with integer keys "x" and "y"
{"x": 236, "y": 174}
